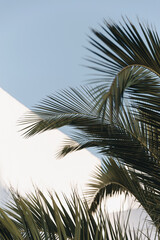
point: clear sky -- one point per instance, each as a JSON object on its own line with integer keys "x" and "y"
{"x": 41, "y": 41}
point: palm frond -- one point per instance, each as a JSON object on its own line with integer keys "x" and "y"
{"x": 129, "y": 61}
{"x": 61, "y": 219}
{"x": 112, "y": 178}
{"x": 71, "y": 107}
{"x": 121, "y": 45}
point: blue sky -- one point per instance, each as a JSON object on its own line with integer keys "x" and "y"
{"x": 41, "y": 42}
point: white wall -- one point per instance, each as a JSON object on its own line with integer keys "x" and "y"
{"x": 27, "y": 161}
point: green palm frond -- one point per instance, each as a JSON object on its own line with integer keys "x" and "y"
{"x": 134, "y": 84}
{"x": 127, "y": 57}
{"x": 112, "y": 178}
{"x": 109, "y": 179}
{"x": 71, "y": 107}
{"x": 41, "y": 218}
{"x": 124, "y": 44}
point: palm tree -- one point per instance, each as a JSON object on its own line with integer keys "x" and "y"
{"x": 118, "y": 113}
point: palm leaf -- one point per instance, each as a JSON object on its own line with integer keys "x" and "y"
{"x": 56, "y": 219}
{"x": 112, "y": 178}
